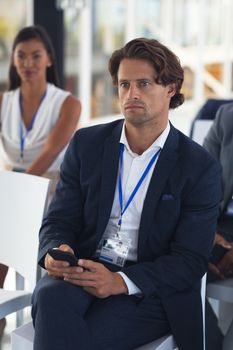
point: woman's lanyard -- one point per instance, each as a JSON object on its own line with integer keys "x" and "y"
{"x": 136, "y": 188}
{"x": 30, "y": 126}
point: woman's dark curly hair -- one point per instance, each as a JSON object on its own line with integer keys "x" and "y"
{"x": 165, "y": 62}
{"x": 29, "y": 33}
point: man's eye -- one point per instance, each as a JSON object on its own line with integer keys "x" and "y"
{"x": 144, "y": 83}
{"x": 124, "y": 84}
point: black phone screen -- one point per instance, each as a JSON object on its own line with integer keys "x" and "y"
{"x": 217, "y": 253}
{"x": 58, "y": 254}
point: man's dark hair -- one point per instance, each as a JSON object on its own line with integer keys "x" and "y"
{"x": 165, "y": 62}
{"x": 40, "y": 34}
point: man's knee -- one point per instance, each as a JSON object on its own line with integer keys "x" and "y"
{"x": 48, "y": 291}
{"x": 56, "y": 294}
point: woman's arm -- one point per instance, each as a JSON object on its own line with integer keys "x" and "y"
{"x": 58, "y": 137}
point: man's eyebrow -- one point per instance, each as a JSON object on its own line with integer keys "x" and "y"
{"x": 138, "y": 80}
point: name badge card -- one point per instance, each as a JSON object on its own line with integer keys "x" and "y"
{"x": 114, "y": 250}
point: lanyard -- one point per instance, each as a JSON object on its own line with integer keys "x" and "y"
{"x": 30, "y": 126}
{"x": 146, "y": 171}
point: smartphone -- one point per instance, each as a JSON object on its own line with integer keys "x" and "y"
{"x": 217, "y": 253}
{"x": 58, "y": 254}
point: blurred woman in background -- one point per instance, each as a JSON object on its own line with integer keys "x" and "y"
{"x": 37, "y": 118}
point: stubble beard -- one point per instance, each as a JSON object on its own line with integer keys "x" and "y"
{"x": 137, "y": 120}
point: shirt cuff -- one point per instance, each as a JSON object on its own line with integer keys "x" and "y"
{"x": 132, "y": 288}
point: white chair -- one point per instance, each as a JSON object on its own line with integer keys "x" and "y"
{"x": 200, "y": 129}
{"x": 164, "y": 343}
{"x": 22, "y": 337}
{"x": 22, "y": 205}
{"x": 222, "y": 291}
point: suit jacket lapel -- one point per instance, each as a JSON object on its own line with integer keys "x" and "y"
{"x": 162, "y": 170}
{"x": 109, "y": 178}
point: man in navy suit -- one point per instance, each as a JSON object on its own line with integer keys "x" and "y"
{"x": 137, "y": 202}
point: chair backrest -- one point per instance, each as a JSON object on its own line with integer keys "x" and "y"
{"x": 203, "y": 299}
{"x": 200, "y": 130}
{"x": 23, "y": 200}
{"x": 210, "y": 107}
{"x": 208, "y": 111}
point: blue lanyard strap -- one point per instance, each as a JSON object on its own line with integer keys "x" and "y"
{"x": 30, "y": 126}
{"x": 136, "y": 188}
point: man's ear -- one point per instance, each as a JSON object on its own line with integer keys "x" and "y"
{"x": 171, "y": 90}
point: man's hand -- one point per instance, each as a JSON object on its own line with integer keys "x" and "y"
{"x": 215, "y": 271}
{"x": 218, "y": 239}
{"x": 96, "y": 279}
{"x": 225, "y": 267}
{"x": 56, "y": 268}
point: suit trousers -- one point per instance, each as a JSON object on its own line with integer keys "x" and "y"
{"x": 67, "y": 317}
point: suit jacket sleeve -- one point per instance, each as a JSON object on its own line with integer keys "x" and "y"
{"x": 64, "y": 219}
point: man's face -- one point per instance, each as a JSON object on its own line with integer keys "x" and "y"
{"x": 142, "y": 100}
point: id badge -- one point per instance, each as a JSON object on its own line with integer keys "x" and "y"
{"x": 114, "y": 250}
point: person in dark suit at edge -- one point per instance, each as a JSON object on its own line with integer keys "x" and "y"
{"x": 219, "y": 142}
{"x": 137, "y": 202}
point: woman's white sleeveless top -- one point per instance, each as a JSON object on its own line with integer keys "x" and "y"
{"x": 45, "y": 120}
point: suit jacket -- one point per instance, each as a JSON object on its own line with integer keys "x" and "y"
{"x": 177, "y": 225}
{"x": 219, "y": 142}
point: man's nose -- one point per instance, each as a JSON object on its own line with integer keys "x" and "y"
{"x": 133, "y": 92}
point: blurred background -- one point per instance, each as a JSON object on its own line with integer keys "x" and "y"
{"x": 85, "y": 32}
